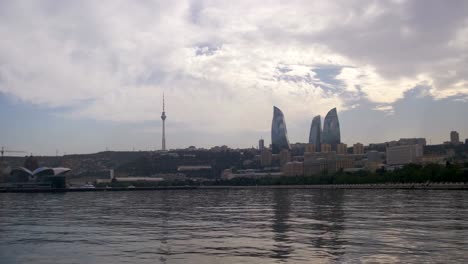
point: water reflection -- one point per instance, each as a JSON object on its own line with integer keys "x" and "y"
{"x": 281, "y": 206}
{"x": 309, "y": 223}
{"x": 235, "y": 226}
{"x": 164, "y": 248}
{"x": 327, "y": 211}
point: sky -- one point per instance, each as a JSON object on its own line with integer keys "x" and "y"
{"x": 86, "y": 76}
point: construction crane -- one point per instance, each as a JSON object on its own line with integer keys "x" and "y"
{"x": 3, "y": 150}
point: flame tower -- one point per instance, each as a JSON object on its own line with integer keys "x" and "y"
{"x": 315, "y": 131}
{"x": 331, "y": 129}
{"x": 163, "y": 117}
{"x": 279, "y": 133}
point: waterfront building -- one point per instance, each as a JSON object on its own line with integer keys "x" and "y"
{"x": 329, "y": 163}
{"x": 400, "y": 155}
{"x": 358, "y": 149}
{"x": 31, "y": 175}
{"x": 402, "y": 141}
{"x": 196, "y": 171}
{"x": 341, "y": 148}
{"x": 374, "y": 156}
{"x": 265, "y": 158}
{"x": 340, "y": 163}
{"x": 261, "y": 144}
{"x": 315, "y": 131}
{"x": 319, "y": 155}
{"x": 310, "y": 148}
{"x": 314, "y": 166}
{"x": 284, "y": 156}
{"x": 293, "y": 168}
{"x": 279, "y": 133}
{"x": 42, "y": 177}
{"x": 130, "y": 180}
{"x": 454, "y": 138}
{"x": 325, "y": 148}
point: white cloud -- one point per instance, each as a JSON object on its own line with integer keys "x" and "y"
{"x": 375, "y": 87}
{"x": 385, "y": 108}
{"x": 224, "y": 64}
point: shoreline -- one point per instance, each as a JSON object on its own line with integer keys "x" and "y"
{"x": 376, "y": 186}
{"x": 390, "y": 186}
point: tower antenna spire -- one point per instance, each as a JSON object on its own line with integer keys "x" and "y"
{"x": 163, "y": 118}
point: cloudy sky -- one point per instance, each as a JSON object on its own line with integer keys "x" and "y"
{"x": 83, "y": 76}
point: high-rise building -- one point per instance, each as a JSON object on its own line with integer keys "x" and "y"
{"x": 261, "y": 144}
{"x": 331, "y": 129}
{"x": 266, "y": 158}
{"x": 314, "y": 166}
{"x": 285, "y": 157}
{"x": 399, "y": 155}
{"x": 319, "y": 155}
{"x": 341, "y": 148}
{"x": 466, "y": 141}
{"x": 331, "y": 163}
{"x": 315, "y": 131}
{"x": 454, "y": 137}
{"x": 279, "y": 133}
{"x": 163, "y": 117}
{"x": 375, "y": 156}
{"x": 358, "y": 148}
{"x": 310, "y": 148}
{"x": 294, "y": 168}
{"x": 325, "y": 148}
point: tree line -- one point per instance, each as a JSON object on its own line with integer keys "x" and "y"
{"x": 412, "y": 173}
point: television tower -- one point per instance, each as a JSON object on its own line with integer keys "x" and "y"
{"x": 163, "y": 117}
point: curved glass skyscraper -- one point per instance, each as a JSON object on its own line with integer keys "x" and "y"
{"x": 331, "y": 129}
{"x": 279, "y": 133}
{"x": 315, "y": 131}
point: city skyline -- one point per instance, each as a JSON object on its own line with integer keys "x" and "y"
{"x": 91, "y": 74}
{"x": 250, "y": 142}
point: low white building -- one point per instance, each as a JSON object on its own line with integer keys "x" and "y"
{"x": 400, "y": 155}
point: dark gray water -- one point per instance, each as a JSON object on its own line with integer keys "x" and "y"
{"x": 235, "y": 226}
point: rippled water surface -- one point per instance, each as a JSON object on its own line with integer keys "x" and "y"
{"x": 235, "y": 226}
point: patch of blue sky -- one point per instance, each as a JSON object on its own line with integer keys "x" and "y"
{"x": 206, "y": 49}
